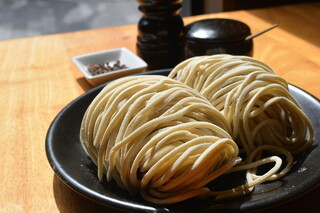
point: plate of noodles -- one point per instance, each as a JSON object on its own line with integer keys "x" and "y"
{"x": 73, "y": 166}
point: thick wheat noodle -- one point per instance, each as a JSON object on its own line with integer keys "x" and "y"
{"x": 157, "y": 137}
{"x": 263, "y": 115}
{"x": 162, "y": 139}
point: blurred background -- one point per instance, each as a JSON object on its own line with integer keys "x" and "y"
{"x": 25, "y": 18}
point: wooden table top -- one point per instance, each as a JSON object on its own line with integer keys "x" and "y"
{"x": 38, "y": 79}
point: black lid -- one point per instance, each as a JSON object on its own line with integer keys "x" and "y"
{"x": 217, "y": 30}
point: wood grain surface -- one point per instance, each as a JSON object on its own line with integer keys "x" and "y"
{"x": 37, "y": 79}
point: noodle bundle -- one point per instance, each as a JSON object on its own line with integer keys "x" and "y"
{"x": 255, "y": 100}
{"x": 263, "y": 115}
{"x": 158, "y": 138}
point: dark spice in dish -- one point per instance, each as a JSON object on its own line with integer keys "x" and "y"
{"x": 96, "y": 69}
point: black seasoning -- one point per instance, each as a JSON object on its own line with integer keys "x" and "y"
{"x": 96, "y": 69}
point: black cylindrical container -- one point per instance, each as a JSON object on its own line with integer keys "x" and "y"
{"x": 217, "y": 36}
{"x": 160, "y": 33}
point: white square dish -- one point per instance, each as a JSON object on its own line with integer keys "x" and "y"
{"x": 133, "y": 63}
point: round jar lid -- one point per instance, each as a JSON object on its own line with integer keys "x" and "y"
{"x": 217, "y": 30}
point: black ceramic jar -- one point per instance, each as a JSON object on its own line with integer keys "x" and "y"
{"x": 160, "y": 33}
{"x": 217, "y": 36}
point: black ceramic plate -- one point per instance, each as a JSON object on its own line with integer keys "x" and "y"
{"x": 75, "y": 169}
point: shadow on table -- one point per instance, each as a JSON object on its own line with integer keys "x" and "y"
{"x": 84, "y": 84}
{"x": 68, "y": 200}
{"x": 295, "y": 17}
